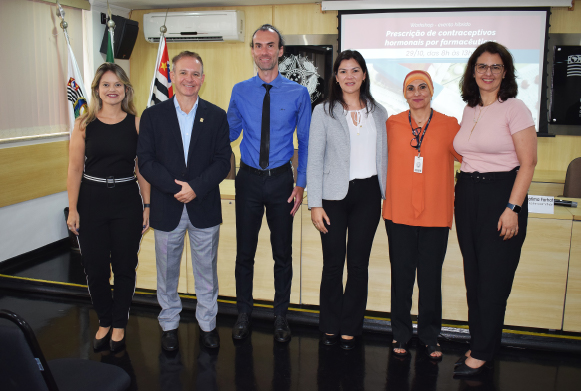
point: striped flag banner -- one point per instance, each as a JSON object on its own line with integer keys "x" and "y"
{"x": 161, "y": 88}
{"x": 75, "y": 88}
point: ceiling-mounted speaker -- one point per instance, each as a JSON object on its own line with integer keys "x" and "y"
{"x": 124, "y": 37}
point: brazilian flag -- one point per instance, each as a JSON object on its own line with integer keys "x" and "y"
{"x": 109, "y": 47}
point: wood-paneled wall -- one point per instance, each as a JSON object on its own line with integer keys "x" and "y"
{"x": 566, "y": 21}
{"x": 226, "y": 64}
{"x": 33, "y": 171}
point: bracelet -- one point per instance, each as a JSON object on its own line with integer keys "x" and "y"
{"x": 147, "y": 205}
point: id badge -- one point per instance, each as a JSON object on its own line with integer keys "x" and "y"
{"x": 418, "y": 164}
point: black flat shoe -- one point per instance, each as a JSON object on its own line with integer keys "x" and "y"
{"x": 100, "y": 344}
{"x": 115, "y": 346}
{"x": 400, "y": 345}
{"x": 329, "y": 340}
{"x": 347, "y": 344}
{"x": 210, "y": 339}
{"x": 282, "y": 331}
{"x": 460, "y": 361}
{"x": 465, "y": 370}
{"x": 169, "y": 340}
{"x": 241, "y": 328}
{"x": 430, "y": 349}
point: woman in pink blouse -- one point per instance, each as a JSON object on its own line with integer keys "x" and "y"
{"x": 498, "y": 143}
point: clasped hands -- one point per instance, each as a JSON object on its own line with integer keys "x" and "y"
{"x": 186, "y": 194}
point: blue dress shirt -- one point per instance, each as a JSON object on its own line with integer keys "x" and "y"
{"x": 290, "y": 108}
{"x": 186, "y": 124}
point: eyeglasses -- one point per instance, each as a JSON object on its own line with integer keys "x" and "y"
{"x": 496, "y": 69}
{"x": 416, "y": 140}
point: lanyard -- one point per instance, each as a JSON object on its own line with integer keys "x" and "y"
{"x": 419, "y": 139}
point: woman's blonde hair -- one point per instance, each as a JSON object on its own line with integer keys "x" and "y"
{"x": 96, "y": 102}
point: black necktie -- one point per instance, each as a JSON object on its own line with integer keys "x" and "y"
{"x": 265, "y": 131}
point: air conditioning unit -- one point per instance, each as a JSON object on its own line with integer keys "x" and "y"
{"x": 201, "y": 26}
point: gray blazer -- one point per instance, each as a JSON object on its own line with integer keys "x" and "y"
{"x": 330, "y": 150}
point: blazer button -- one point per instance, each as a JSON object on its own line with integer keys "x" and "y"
{"x": 183, "y": 174}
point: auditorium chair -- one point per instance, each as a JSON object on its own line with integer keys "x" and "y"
{"x": 25, "y": 368}
{"x": 572, "y": 187}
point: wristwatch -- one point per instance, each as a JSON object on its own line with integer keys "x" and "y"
{"x": 146, "y": 205}
{"x": 513, "y": 207}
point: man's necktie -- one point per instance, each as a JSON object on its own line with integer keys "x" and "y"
{"x": 265, "y": 131}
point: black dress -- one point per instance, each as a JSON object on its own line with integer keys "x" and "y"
{"x": 111, "y": 217}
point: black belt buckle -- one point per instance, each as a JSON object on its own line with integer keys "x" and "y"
{"x": 110, "y": 181}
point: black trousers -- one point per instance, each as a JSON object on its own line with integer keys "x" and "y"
{"x": 354, "y": 221}
{"x": 489, "y": 261}
{"x": 109, "y": 236}
{"x": 254, "y": 194}
{"x": 423, "y": 249}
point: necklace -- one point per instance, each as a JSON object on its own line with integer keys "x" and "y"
{"x": 480, "y": 114}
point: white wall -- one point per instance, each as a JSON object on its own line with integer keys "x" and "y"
{"x": 32, "y": 224}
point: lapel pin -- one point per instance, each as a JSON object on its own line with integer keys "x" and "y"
{"x": 201, "y": 120}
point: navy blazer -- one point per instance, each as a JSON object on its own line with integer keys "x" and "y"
{"x": 161, "y": 160}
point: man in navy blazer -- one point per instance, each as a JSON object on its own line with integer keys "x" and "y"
{"x": 184, "y": 153}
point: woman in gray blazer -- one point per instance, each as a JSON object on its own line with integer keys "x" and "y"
{"x": 346, "y": 175}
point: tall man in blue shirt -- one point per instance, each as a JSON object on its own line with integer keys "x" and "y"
{"x": 268, "y": 107}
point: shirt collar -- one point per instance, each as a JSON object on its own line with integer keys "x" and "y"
{"x": 276, "y": 83}
{"x": 179, "y": 109}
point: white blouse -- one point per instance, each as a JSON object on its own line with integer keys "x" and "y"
{"x": 363, "y": 137}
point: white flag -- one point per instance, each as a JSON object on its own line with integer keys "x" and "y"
{"x": 75, "y": 89}
{"x": 161, "y": 88}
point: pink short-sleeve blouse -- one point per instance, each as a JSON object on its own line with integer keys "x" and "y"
{"x": 486, "y": 145}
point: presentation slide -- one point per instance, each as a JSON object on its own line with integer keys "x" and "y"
{"x": 440, "y": 43}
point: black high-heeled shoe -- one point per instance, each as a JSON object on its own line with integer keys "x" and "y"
{"x": 101, "y": 343}
{"x": 347, "y": 344}
{"x": 465, "y": 370}
{"x": 400, "y": 345}
{"x": 460, "y": 361}
{"x": 329, "y": 340}
{"x": 117, "y": 345}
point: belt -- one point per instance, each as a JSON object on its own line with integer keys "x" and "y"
{"x": 488, "y": 176}
{"x": 271, "y": 172}
{"x": 110, "y": 181}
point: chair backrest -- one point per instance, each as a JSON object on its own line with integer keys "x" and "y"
{"x": 23, "y": 364}
{"x": 232, "y": 173}
{"x": 573, "y": 179}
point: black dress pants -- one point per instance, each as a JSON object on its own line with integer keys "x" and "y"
{"x": 254, "y": 194}
{"x": 423, "y": 249}
{"x": 489, "y": 261}
{"x": 354, "y": 221}
{"x": 109, "y": 236}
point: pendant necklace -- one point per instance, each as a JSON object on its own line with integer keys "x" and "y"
{"x": 480, "y": 114}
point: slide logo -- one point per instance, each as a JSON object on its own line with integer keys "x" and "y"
{"x": 574, "y": 65}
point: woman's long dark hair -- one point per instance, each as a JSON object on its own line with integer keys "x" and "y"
{"x": 335, "y": 91}
{"x": 508, "y": 87}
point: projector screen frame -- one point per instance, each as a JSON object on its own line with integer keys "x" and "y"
{"x": 543, "y": 130}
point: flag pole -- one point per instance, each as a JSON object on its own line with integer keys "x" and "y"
{"x": 60, "y": 12}
{"x": 111, "y": 26}
{"x": 162, "y": 31}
